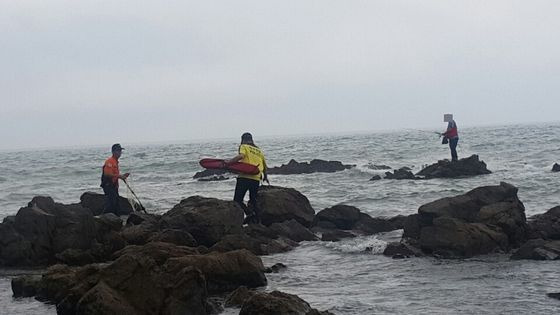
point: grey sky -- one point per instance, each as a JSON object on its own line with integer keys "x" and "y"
{"x": 96, "y": 72}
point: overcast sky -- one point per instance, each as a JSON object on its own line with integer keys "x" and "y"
{"x": 97, "y": 72}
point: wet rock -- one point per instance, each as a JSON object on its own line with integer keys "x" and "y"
{"x": 209, "y": 172}
{"x": 335, "y": 235}
{"x": 96, "y": 203}
{"x": 173, "y": 236}
{"x": 241, "y": 241}
{"x": 484, "y": 220}
{"x": 276, "y": 268}
{"x": 538, "y": 249}
{"x": 276, "y": 303}
{"x": 546, "y": 225}
{"x": 278, "y": 204}
{"x": 158, "y": 278}
{"x": 346, "y": 217}
{"x": 556, "y": 167}
{"x": 376, "y": 177}
{"x": 400, "y": 174}
{"x": 315, "y": 166}
{"x": 238, "y": 297}
{"x": 470, "y": 166}
{"x": 401, "y": 250}
{"x": 208, "y": 220}
{"x": 293, "y": 230}
{"x": 25, "y": 286}
{"x": 137, "y": 218}
{"x": 213, "y": 179}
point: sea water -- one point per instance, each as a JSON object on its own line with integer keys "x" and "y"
{"x": 342, "y": 277}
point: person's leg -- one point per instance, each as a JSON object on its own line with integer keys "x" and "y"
{"x": 240, "y": 190}
{"x": 453, "y": 147}
{"x": 253, "y": 191}
{"x": 117, "y": 203}
{"x": 111, "y": 199}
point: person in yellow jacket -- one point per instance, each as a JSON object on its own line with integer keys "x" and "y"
{"x": 251, "y": 154}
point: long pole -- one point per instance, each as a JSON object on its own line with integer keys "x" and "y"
{"x": 134, "y": 194}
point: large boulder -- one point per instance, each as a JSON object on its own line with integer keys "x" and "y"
{"x": 484, "y": 220}
{"x": 208, "y": 220}
{"x": 43, "y": 229}
{"x": 293, "y": 230}
{"x": 470, "y": 166}
{"x": 158, "y": 278}
{"x": 546, "y": 225}
{"x": 277, "y": 303}
{"x": 315, "y": 166}
{"x": 96, "y": 203}
{"x": 278, "y": 204}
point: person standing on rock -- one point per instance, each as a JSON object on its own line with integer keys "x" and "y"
{"x": 452, "y": 135}
{"x": 110, "y": 180}
{"x": 251, "y": 154}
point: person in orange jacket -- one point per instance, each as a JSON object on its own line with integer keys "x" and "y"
{"x": 110, "y": 180}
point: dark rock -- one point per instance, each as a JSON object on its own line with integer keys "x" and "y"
{"x": 177, "y": 237}
{"x": 376, "y": 177}
{"x": 342, "y": 216}
{"x": 238, "y": 297}
{"x": 345, "y": 217}
{"x": 293, "y": 230}
{"x": 276, "y": 268}
{"x": 470, "y": 166}
{"x": 554, "y": 295}
{"x": 241, "y": 241}
{"x": 139, "y": 234}
{"x": 208, "y": 220}
{"x": 401, "y": 250}
{"x": 556, "y": 167}
{"x": 484, "y": 220}
{"x": 278, "y": 204}
{"x": 96, "y": 203}
{"x": 336, "y": 235}
{"x": 538, "y": 249}
{"x": 315, "y": 166}
{"x": 209, "y": 172}
{"x": 276, "y": 303}
{"x": 400, "y": 174}
{"x": 137, "y": 218}
{"x": 25, "y": 286}
{"x": 213, "y": 179}
{"x": 378, "y": 167}
{"x": 43, "y": 229}
{"x": 546, "y": 225}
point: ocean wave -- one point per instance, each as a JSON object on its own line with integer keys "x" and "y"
{"x": 366, "y": 244}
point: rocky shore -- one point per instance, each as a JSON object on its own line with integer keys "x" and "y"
{"x": 174, "y": 263}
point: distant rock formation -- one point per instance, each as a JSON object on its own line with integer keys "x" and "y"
{"x": 402, "y": 173}
{"x": 470, "y": 166}
{"x": 315, "y": 166}
{"x": 556, "y": 167}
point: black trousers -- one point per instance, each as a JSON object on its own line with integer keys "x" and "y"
{"x": 453, "y": 147}
{"x": 243, "y": 185}
{"x": 111, "y": 199}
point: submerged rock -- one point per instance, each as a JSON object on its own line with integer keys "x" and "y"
{"x": 375, "y": 177}
{"x": 279, "y": 204}
{"x": 209, "y": 172}
{"x": 556, "y": 167}
{"x": 484, "y": 220}
{"x": 213, "y": 179}
{"x": 378, "y": 167}
{"x": 315, "y": 166}
{"x": 470, "y": 166}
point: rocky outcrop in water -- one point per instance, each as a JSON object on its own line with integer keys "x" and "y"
{"x": 470, "y": 166}
{"x": 96, "y": 203}
{"x": 315, "y": 166}
{"x": 209, "y": 173}
{"x": 544, "y": 231}
{"x": 538, "y": 249}
{"x": 556, "y": 167}
{"x": 546, "y": 225}
{"x": 213, "y": 179}
{"x": 402, "y": 173}
{"x": 484, "y": 220}
{"x": 158, "y": 278}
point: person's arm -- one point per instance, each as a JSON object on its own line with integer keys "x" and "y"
{"x": 237, "y": 158}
